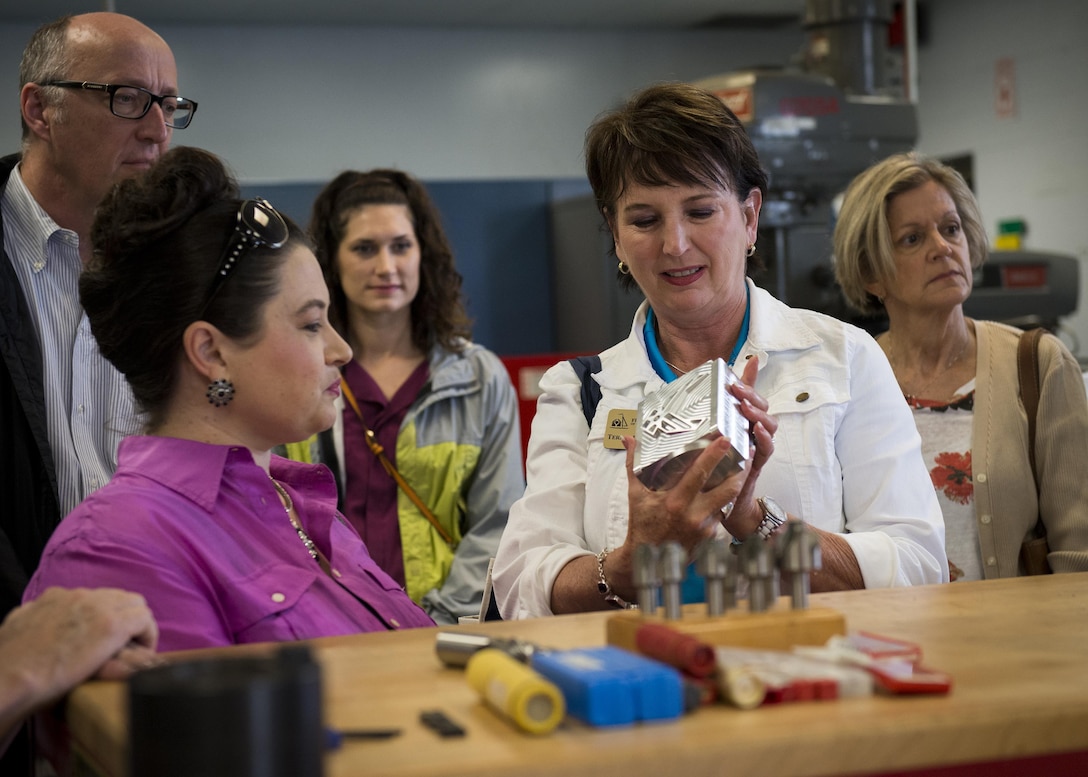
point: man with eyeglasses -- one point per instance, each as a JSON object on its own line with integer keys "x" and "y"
{"x": 99, "y": 103}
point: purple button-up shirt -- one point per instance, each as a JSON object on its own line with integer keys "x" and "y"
{"x": 200, "y": 532}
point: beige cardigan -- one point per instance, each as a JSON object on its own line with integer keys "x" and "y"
{"x": 1005, "y": 497}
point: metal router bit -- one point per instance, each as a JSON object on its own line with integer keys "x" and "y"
{"x": 757, "y": 563}
{"x": 731, "y": 583}
{"x": 672, "y": 562}
{"x": 713, "y": 561}
{"x": 799, "y": 556}
{"x": 646, "y": 579}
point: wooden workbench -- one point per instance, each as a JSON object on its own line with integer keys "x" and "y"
{"x": 1017, "y": 650}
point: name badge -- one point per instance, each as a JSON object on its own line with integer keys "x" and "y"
{"x": 621, "y": 423}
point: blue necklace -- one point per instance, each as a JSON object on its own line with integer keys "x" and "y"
{"x": 666, "y": 371}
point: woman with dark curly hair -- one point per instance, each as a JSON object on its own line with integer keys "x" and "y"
{"x": 427, "y": 448}
{"x": 215, "y": 311}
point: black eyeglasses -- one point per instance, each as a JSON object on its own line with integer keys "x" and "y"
{"x": 133, "y": 102}
{"x": 258, "y": 224}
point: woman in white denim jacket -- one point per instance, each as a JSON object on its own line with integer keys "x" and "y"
{"x": 680, "y": 187}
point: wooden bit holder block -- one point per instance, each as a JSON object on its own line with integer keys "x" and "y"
{"x": 779, "y": 628}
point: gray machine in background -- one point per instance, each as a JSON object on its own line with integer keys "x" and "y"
{"x": 1025, "y": 289}
{"x": 816, "y": 126}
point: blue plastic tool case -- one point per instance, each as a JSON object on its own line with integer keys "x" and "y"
{"x": 610, "y": 686}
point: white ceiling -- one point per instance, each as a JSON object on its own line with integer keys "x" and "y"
{"x": 659, "y": 14}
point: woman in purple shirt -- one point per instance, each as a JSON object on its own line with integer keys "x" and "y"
{"x": 215, "y": 311}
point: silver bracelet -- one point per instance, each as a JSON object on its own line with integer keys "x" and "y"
{"x": 605, "y": 589}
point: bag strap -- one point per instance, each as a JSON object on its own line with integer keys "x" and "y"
{"x": 377, "y": 449}
{"x": 584, "y": 367}
{"x": 1027, "y": 368}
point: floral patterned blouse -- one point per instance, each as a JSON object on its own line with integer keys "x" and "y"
{"x": 945, "y": 429}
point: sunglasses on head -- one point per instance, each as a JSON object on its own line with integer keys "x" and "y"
{"x": 258, "y": 225}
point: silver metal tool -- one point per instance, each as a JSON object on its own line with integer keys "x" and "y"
{"x": 672, "y": 562}
{"x": 757, "y": 563}
{"x": 455, "y": 648}
{"x": 800, "y": 555}
{"x": 678, "y": 421}
{"x": 646, "y": 578}
{"x": 716, "y": 563}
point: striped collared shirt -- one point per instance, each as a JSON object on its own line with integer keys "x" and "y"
{"x": 89, "y": 406}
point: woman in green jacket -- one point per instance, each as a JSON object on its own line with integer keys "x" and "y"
{"x": 440, "y": 410}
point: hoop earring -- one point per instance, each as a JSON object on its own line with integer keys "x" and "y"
{"x": 751, "y": 250}
{"x": 623, "y": 268}
{"x": 220, "y": 392}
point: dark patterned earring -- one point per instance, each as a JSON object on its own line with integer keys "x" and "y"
{"x": 220, "y": 392}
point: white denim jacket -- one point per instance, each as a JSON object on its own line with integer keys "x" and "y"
{"x": 847, "y": 456}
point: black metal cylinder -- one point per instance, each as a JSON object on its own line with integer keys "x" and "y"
{"x": 236, "y": 717}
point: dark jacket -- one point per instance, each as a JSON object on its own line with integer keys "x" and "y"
{"x": 28, "y": 480}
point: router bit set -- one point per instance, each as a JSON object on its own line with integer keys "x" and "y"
{"x": 725, "y": 567}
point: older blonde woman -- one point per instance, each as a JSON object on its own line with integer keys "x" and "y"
{"x": 908, "y": 239}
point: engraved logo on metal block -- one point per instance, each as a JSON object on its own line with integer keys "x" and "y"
{"x": 676, "y": 423}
